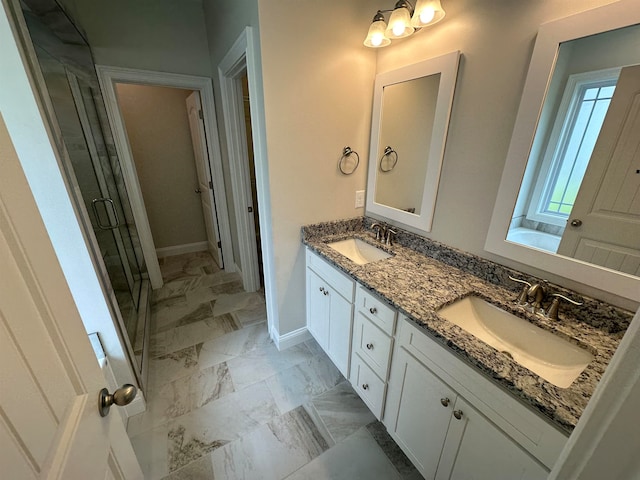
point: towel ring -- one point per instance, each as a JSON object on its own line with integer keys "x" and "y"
{"x": 389, "y": 153}
{"x": 346, "y": 153}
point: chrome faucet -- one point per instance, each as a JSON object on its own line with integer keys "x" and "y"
{"x": 390, "y": 236}
{"x": 537, "y": 292}
{"x": 381, "y": 231}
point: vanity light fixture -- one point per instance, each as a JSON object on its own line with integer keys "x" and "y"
{"x": 405, "y": 19}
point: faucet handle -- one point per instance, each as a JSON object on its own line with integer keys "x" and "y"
{"x": 552, "y": 312}
{"x": 522, "y": 299}
{"x": 378, "y": 228}
{"x": 389, "y": 238}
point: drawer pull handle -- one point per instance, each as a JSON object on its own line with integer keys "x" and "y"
{"x": 373, "y": 310}
{"x": 457, "y": 414}
{"x": 365, "y": 386}
{"x": 445, "y": 402}
{"x": 369, "y": 346}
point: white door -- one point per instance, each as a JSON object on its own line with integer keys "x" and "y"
{"x": 205, "y": 183}
{"x": 50, "y": 427}
{"x": 609, "y": 197}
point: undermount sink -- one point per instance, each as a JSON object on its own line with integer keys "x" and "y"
{"x": 549, "y": 356}
{"x": 359, "y": 252}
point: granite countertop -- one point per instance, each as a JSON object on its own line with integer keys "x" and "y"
{"x": 418, "y": 285}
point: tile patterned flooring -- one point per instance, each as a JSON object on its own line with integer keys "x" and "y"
{"x": 224, "y": 403}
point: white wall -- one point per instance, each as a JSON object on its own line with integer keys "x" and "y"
{"x": 496, "y": 40}
{"x": 225, "y": 20}
{"x": 318, "y": 88}
{"x": 158, "y": 130}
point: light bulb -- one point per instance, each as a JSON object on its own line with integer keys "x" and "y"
{"x": 398, "y": 28}
{"x": 376, "y": 39}
{"x": 427, "y": 15}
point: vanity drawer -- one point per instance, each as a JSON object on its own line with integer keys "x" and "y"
{"x": 376, "y": 310}
{"x": 367, "y": 384}
{"x": 340, "y": 282}
{"x": 372, "y": 344}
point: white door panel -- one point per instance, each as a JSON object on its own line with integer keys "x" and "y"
{"x": 609, "y": 198}
{"x": 198, "y": 138}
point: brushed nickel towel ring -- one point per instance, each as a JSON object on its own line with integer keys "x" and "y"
{"x": 389, "y": 153}
{"x": 346, "y": 154}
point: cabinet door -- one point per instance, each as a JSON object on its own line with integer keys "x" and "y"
{"x": 317, "y": 309}
{"x": 418, "y": 412}
{"x": 340, "y": 315}
{"x": 475, "y": 449}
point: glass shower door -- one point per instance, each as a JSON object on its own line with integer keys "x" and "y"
{"x": 109, "y": 217}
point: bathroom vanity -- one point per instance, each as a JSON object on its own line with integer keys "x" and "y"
{"x": 456, "y": 406}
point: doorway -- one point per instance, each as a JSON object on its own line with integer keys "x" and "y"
{"x": 236, "y": 106}
{"x": 167, "y": 139}
{"x": 110, "y": 78}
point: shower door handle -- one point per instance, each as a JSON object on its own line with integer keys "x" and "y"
{"x": 94, "y": 202}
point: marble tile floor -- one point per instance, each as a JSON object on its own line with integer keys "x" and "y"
{"x": 224, "y": 403}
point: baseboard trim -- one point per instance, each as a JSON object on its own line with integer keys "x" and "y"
{"x": 290, "y": 339}
{"x": 180, "y": 249}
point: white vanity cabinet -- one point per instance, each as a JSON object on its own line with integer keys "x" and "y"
{"x": 454, "y": 424}
{"x": 330, "y": 309}
{"x": 373, "y": 329}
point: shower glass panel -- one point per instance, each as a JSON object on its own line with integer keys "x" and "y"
{"x": 93, "y": 169}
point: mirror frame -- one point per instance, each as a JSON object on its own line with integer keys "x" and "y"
{"x": 447, "y": 66}
{"x": 614, "y": 16}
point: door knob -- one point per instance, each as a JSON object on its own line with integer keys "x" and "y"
{"x": 197, "y": 190}
{"x": 576, "y": 222}
{"x": 122, "y": 396}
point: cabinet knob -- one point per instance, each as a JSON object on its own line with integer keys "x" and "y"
{"x": 325, "y": 292}
{"x": 373, "y": 310}
{"x": 445, "y": 402}
{"x": 365, "y": 386}
{"x": 457, "y": 414}
{"x": 369, "y": 346}
{"x": 321, "y": 289}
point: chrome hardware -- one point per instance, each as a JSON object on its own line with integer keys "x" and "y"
{"x": 325, "y": 292}
{"x": 373, "y": 310}
{"x": 197, "y": 190}
{"x": 113, "y": 208}
{"x": 365, "y": 386}
{"x": 576, "y": 222}
{"x": 457, "y": 414}
{"x": 522, "y": 296}
{"x": 445, "y": 402}
{"x": 389, "y": 238}
{"x": 537, "y": 291}
{"x": 321, "y": 289}
{"x": 346, "y": 153}
{"x": 121, "y": 397}
{"x": 380, "y": 231}
{"x": 369, "y": 346}
{"x": 552, "y": 312}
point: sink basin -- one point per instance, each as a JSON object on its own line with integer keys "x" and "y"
{"x": 551, "y": 357}
{"x": 359, "y": 252}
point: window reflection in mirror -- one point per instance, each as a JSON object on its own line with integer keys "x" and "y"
{"x": 580, "y": 194}
{"x": 408, "y": 114}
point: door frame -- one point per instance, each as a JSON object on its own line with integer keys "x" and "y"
{"x": 108, "y": 76}
{"x": 245, "y": 53}
{"x": 230, "y": 70}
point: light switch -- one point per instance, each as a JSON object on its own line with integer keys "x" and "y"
{"x": 359, "y": 198}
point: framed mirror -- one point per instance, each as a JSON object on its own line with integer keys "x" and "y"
{"x": 411, "y": 110}
{"x": 569, "y": 198}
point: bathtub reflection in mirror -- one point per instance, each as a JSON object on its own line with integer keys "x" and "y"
{"x": 571, "y": 170}
{"x": 577, "y": 195}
